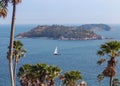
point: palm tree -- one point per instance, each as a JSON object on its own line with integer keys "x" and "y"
{"x": 37, "y": 74}
{"x": 53, "y": 72}
{"x": 112, "y": 50}
{"x": 24, "y": 74}
{"x": 3, "y": 13}
{"x": 18, "y": 52}
{"x": 3, "y": 8}
{"x": 14, "y": 2}
{"x": 70, "y": 78}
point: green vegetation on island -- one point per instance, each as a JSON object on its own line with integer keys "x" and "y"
{"x": 61, "y": 32}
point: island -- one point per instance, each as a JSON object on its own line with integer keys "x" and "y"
{"x": 61, "y": 32}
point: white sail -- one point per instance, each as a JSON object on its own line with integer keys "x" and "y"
{"x": 56, "y": 51}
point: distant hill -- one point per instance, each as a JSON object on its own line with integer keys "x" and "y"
{"x": 63, "y": 32}
{"x": 95, "y": 27}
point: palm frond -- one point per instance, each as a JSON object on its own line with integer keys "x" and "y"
{"x": 100, "y": 77}
{"x": 100, "y": 52}
{"x": 100, "y": 61}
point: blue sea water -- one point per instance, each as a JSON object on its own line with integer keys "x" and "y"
{"x": 75, "y": 55}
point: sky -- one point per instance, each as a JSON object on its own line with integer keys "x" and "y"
{"x": 65, "y": 12}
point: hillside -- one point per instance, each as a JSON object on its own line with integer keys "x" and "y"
{"x": 95, "y": 27}
{"x": 61, "y": 32}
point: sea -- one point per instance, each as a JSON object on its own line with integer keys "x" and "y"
{"x": 75, "y": 54}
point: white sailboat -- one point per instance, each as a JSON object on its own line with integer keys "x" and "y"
{"x": 56, "y": 51}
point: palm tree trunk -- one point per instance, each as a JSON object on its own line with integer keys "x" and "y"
{"x": 11, "y": 73}
{"x": 110, "y": 81}
{"x": 14, "y": 70}
{"x": 11, "y": 44}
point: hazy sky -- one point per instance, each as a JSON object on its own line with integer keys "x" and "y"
{"x": 65, "y": 12}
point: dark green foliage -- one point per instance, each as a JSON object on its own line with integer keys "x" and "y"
{"x": 38, "y": 74}
{"x": 70, "y": 78}
{"x": 101, "y": 61}
{"x": 100, "y": 77}
{"x": 111, "y": 49}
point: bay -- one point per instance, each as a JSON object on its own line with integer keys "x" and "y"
{"x": 75, "y": 55}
